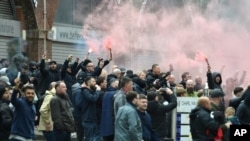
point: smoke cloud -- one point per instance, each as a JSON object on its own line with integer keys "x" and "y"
{"x": 16, "y": 58}
{"x": 172, "y": 31}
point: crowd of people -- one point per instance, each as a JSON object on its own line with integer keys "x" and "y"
{"x": 80, "y": 97}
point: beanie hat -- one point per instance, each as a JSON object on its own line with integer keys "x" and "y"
{"x": 217, "y": 93}
{"x": 81, "y": 77}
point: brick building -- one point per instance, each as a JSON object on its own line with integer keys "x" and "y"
{"x": 53, "y": 27}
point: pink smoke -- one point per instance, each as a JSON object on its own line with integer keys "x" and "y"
{"x": 174, "y": 36}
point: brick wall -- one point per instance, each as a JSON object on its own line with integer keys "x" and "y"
{"x": 32, "y": 21}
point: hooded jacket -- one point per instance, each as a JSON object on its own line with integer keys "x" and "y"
{"x": 212, "y": 84}
{"x": 243, "y": 111}
{"x": 69, "y": 78}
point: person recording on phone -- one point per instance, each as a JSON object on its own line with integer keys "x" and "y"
{"x": 158, "y": 110}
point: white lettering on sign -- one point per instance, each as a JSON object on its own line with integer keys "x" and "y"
{"x": 186, "y": 104}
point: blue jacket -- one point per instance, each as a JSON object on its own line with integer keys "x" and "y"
{"x": 147, "y": 133}
{"x": 107, "y": 118}
{"x": 87, "y": 102}
{"x": 24, "y": 117}
{"x": 76, "y": 93}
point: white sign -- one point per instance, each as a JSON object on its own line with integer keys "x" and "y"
{"x": 186, "y": 139}
{"x": 186, "y": 104}
{"x": 10, "y": 28}
{"x": 67, "y": 34}
{"x": 185, "y": 130}
{"x": 184, "y": 118}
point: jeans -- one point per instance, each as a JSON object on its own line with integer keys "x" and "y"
{"x": 62, "y": 135}
{"x": 49, "y": 135}
{"x": 79, "y": 130}
{"x": 91, "y": 131}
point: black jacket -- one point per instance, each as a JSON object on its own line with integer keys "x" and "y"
{"x": 150, "y": 78}
{"x": 61, "y": 112}
{"x": 212, "y": 84}
{"x": 147, "y": 132}
{"x": 69, "y": 78}
{"x": 46, "y": 77}
{"x": 158, "y": 111}
{"x": 6, "y": 116}
{"x": 139, "y": 85}
{"x": 203, "y": 127}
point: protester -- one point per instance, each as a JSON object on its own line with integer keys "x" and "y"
{"x": 235, "y": 102}
{"x": 47, "y": 76}
{"x": 153, "y": 77}
{"x": 4, "y": 63}
{"x": 6, "y": 114}
{"x": 45, "y": 121}
{"x": 34, "y": 74}
{"x": 61, "y": 112}
{"x": 184, "y": 78}
{"x": 190, "y": 88}
{"x": 139, "y": 83}
{"x": 116, "y": 74}
{"x": 202, "y": 125}
{"x": 102, "y": 83}
{"x": 87, "y": 103}
{"x": 126, "y": 85}
{"x": 127, "y": 122}
{"x": 171, "y": 81}
{"x": 25, "y": 113}
{"x": 147, "y": 131}
{"x": 76, "y": 93}
{"x": 107, "y": 117}
{"x": 68, "y": 74}
{"x": 198, "y": 84}
{"x": 158, "y": 110}
{"x": 243, "y": 111}
{"x": 231, "y": 117}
